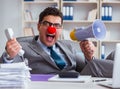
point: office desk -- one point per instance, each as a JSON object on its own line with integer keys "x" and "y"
{"x": 63, "y": 85}
{"x": 42, "y": 83}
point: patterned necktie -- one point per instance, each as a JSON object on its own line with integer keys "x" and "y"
{"x": 58, "y": 60}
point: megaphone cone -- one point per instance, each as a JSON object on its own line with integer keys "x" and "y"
{"x": 96, "y": 30}
{"x": 99, "y": 29}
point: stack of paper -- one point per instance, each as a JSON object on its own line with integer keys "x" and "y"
{"x": 14, "y": 75}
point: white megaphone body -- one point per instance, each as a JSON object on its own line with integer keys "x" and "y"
{"x": 96, "y": 30}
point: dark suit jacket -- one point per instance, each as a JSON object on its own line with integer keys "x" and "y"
{"x": 41, "y": 63}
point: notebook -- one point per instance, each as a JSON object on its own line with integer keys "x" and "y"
{"x": 115, "y": 83}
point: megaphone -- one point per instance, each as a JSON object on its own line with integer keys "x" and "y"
{"x": 96, "y": 30}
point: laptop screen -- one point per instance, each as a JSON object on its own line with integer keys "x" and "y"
{"x": 116, "y": 67}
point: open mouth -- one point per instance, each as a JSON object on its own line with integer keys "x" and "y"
{"x": 50, "y": 37}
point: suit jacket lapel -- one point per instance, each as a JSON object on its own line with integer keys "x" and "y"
{"x": 36, "y": 47}
{"x": 65, "y": 51}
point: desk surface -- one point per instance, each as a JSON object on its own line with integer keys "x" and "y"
{"x": 63, "y": 85}
{"x": 42, "y": 83}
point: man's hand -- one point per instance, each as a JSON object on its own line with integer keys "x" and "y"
{"x": 88, "y": 49}
{"x": 12, "y": 47}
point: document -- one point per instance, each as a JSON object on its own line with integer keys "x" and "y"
{"x": 14, "y": 75}
{"x": 80, "y": 79}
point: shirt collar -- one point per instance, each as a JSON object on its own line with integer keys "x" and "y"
{"x": 45, "y": 48}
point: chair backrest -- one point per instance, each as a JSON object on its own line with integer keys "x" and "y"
{"x": 25, "y": 39}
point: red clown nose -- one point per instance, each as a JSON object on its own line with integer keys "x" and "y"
{"x": 51, "y": 30}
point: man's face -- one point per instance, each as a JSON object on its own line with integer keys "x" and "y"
{"x": 45, "y": 37}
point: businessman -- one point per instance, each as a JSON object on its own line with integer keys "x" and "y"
{"x": 48, "y": 55}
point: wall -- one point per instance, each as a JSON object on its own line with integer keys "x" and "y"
{"x": 10, "y": 16}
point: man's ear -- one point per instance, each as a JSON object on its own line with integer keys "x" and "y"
{"x": 38, "y": 26}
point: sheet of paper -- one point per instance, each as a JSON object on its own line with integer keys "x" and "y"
{"x": 80, "y": 79}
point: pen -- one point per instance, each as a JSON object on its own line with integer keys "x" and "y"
{"x": 99, "y": 80}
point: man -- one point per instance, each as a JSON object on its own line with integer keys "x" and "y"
{"x": 39, "y": 54}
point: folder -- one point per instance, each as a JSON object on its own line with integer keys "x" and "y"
{"x": 70, "y": 12}
{"x": 103, "y": 13}
{"x": 103, "y": 52}
{"x": 64, "y": 13}
{"x": 109, "y": 12}
{"x": 67, "y": 12}
{"x": 106, "y": 12}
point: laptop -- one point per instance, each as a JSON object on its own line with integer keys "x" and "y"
{"x": 116, "y": 71}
